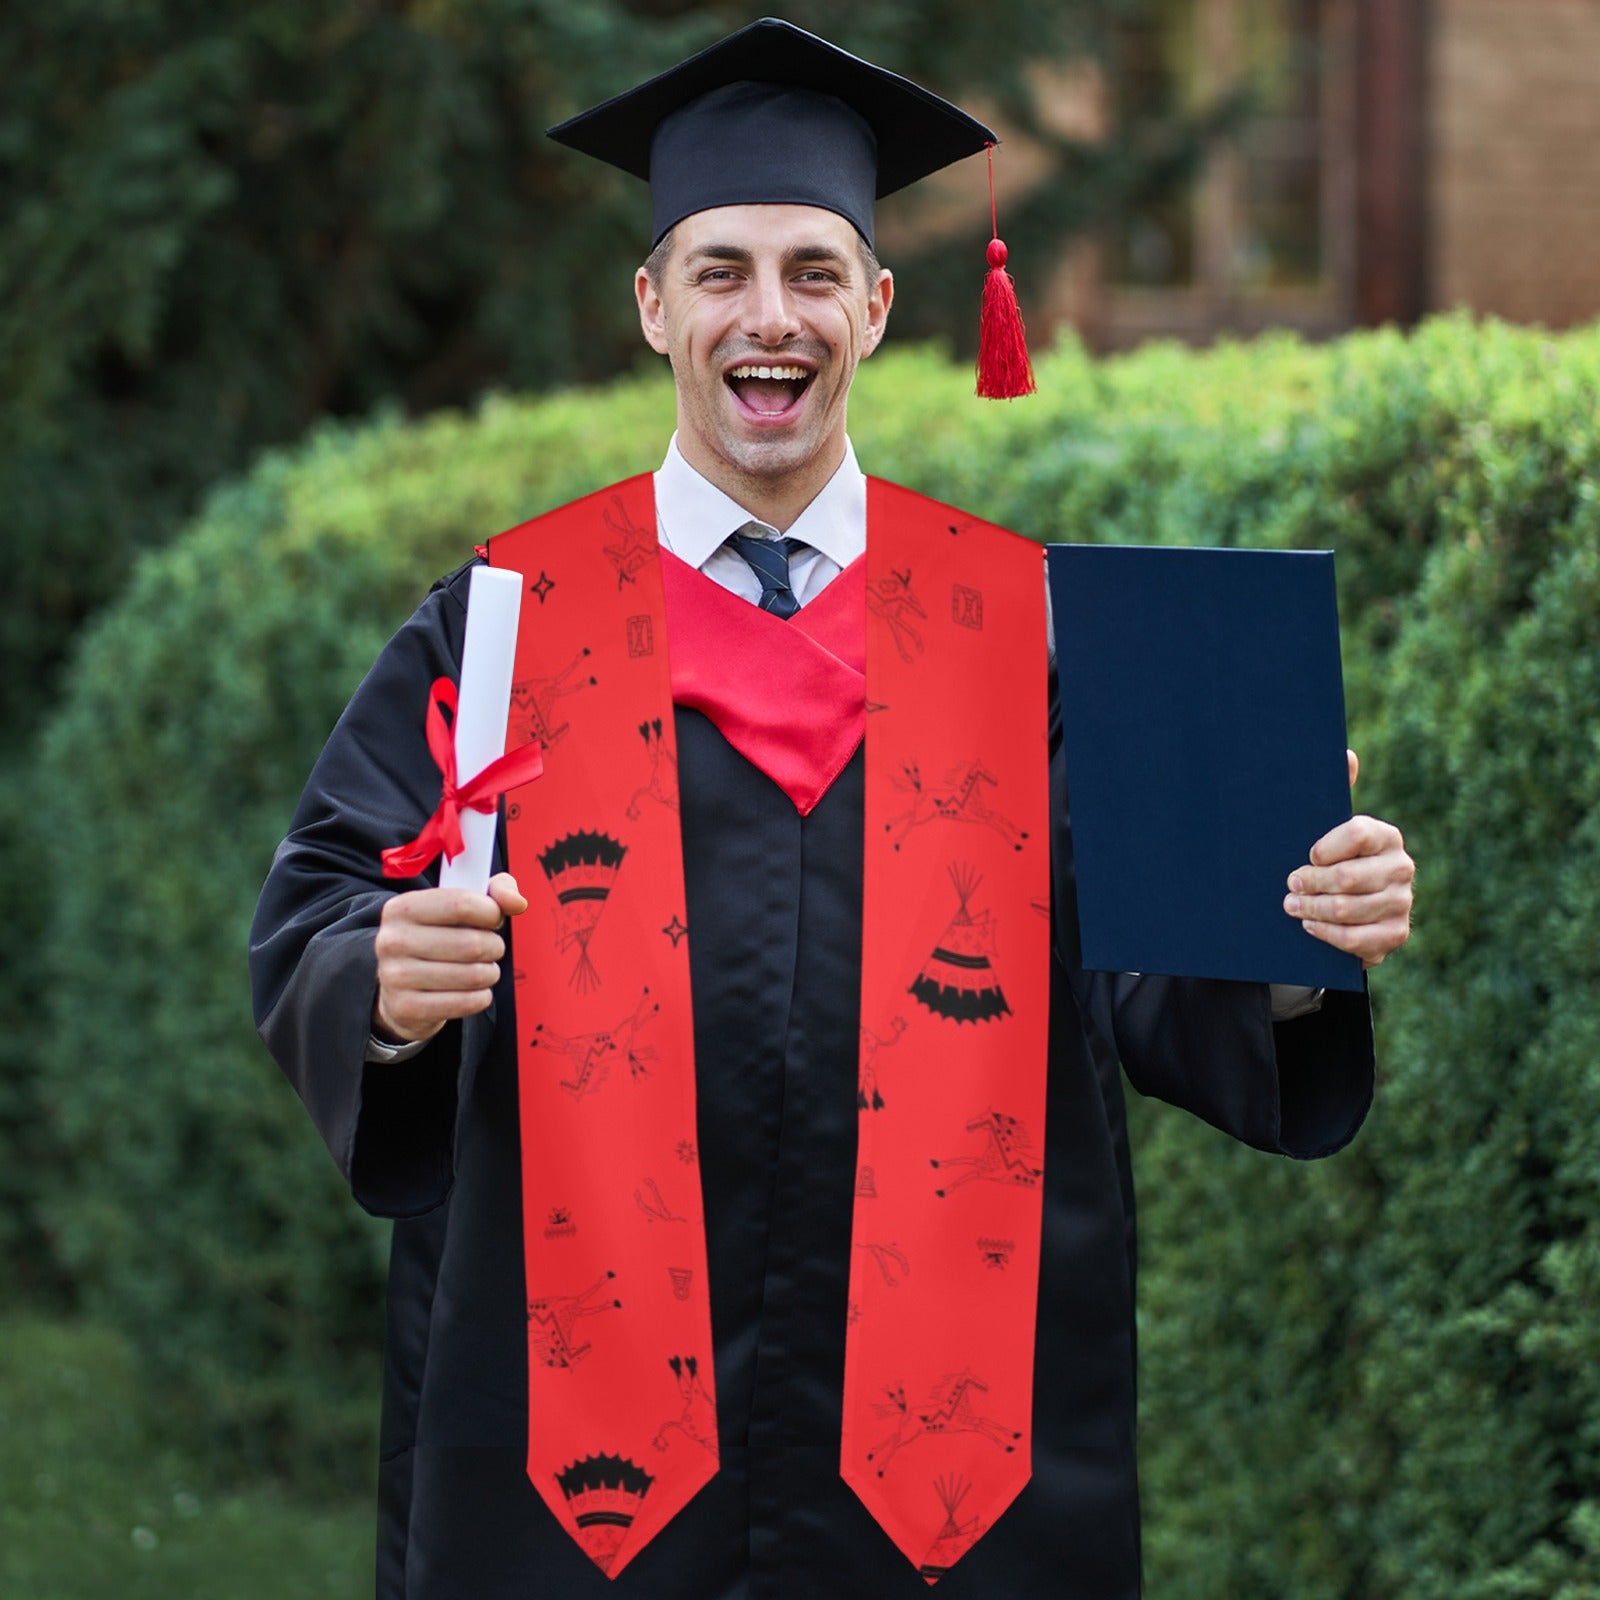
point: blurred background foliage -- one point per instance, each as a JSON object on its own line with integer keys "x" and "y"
{"x": 258, "y": 266}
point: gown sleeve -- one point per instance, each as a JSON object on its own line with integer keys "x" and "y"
{"x": 1299, "y": 1088}
{"x": 313, "y": 965}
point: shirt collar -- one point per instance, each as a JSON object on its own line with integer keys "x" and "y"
{"x": 694, "y": 516}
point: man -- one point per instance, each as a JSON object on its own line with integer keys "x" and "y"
{"x": 733, "y": 1245}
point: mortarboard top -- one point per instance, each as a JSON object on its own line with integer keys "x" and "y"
{"x": 774, "y": 115}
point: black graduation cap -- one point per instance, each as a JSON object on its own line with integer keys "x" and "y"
{"x": 774, "y": 115}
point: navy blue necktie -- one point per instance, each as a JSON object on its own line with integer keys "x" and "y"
{"x": 769, "y": 560}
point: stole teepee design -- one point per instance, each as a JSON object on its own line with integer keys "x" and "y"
{"x": 958, "y": 980}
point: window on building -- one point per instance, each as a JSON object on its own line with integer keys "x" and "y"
{"x": 1264, "y": 235}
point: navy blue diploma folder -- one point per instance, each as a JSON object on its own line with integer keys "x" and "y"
{"x": 1202, "y": 711}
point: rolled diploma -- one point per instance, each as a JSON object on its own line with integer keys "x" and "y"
{"x": 494, "y": 600}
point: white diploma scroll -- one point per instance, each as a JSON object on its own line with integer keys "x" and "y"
{"x": 494, "y": 600}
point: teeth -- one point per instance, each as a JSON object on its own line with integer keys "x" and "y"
{"x": 797, "y": 374}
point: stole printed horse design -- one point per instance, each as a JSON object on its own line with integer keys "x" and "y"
{"x": 533, "y": 703}
{"x": 698, "y": 1420}
{"x": 868, "y": 1095}
{"x": 663, "y": 784}
{"x": 1007, "y": 1157}
{"x": 893, "y": 600}
{"x": 593, "y": 1053}
{"x": 635, "y": 548}
{"x": 552, "y": 1320}
{"x": 958, "y": 799}
{"x": 950, "y": 1410}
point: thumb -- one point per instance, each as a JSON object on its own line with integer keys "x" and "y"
{"x": 504, "y": 892}
{"x": 1354, "y": 762}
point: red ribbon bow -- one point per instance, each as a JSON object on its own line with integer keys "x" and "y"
{"x": 442, "y": 831}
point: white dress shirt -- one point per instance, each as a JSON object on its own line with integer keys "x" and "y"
{"x": 694, "y": 518}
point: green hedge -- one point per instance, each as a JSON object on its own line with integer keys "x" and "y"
{"x": 1378, "y": 1377}
{"x": 1374, "y": 1377}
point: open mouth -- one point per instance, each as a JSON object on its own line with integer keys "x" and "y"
{"x": 769, "y": 391}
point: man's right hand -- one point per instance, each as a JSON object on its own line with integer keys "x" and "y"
{"x": 439, "y": 957}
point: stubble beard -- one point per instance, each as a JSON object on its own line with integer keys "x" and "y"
{"x": 767, "y": 459}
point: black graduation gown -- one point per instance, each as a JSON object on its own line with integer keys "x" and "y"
{"x": 433, "y": 1143}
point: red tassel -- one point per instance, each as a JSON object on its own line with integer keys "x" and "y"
{"x": 1004, "y": 370}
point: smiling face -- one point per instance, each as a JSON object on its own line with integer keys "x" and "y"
{"x": 764, "y": 311}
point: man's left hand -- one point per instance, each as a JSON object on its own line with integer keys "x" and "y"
{"x": 1355, "y": 893}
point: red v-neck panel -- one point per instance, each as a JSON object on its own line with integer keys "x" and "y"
{"x": 789, "y": 696}
{"x": 837, "y": 618}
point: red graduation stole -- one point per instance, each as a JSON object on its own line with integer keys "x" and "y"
{"x": 934, "y": 644}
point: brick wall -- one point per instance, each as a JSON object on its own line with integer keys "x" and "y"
{"x": 1515, "y": 158}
